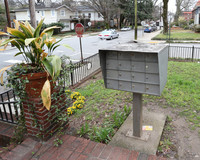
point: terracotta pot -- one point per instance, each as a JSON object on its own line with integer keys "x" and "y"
{"x": 35, "y": 84}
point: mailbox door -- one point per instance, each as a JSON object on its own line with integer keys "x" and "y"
{"x": 152, "y": 68}
{"x": 138, "y": 66}
{"x": 111, "y": 55}
{"x": 152, "y": 78}
{"x": 138, "y": 57}
{"x": 124, "y": 86}
{"x": 112, "y": 74}
{"x": 124, "y": 75}
{"x": 152, "y": 89}
{"x": 138, "y": 77}
{"x": 112, "y": 84}
{"x": 138, "y": 87}
{"x": 124, "y": 56}
{"x": 124, "y": 65}
{"x": 150, "y": 57}
{"x": 111, "y": 64}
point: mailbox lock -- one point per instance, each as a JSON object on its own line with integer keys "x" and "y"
{"x": 147, "y": 88}
{"x": 133, "y": 75}
{"x": 147, "y": 67}
{"x": 120, "y": 74}
{"x": 120, "y": 84}
{"x": 132, "y": 54}
{"x": 133, "y": 86}
{"x": 120, "y": 64}
{"x": 132, "y": 65}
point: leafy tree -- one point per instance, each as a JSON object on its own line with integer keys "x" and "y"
{"x": 145, "y": 9}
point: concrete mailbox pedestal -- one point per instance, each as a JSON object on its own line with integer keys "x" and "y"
{"x": 137, "y": 68}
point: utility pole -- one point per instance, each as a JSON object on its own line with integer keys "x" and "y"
{"x": 135, "y": 19}
{"x": 7, "y": 13}
{"x": 32, "y": 13}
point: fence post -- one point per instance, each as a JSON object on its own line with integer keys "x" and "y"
{"x": 71, "y": 75}
{"x": 193, "y": 53}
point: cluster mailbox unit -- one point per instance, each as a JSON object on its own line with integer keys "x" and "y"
{"x": 135, "y": 67}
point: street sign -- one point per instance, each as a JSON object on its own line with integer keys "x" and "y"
{"x": 89, "y": 24}
{"x": 79, "y": 29}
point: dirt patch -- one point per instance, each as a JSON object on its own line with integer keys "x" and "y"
{"x": 185, "y": 142}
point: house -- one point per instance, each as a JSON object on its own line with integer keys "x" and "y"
{"x": 187, "y": 15}
{"x": 53, "y": 13}
{"x": 196, "y": 13}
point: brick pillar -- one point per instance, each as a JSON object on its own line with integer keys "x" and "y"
{"x": 40, "y": 122}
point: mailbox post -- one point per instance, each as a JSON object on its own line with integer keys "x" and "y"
{"x": 137, "y": 68}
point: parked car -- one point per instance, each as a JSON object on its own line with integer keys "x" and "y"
{"x": 154, "y": 28}
{"x": 148, "y": 29}
{"x": 108, "y": 34}
{"x": 126, "y": 29}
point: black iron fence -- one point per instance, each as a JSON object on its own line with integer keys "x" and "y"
{"x": 184, "y": 53}
{"x": 9, "y": 107}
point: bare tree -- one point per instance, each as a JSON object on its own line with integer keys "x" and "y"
{"x": 164, "y": 15}
{"x": 104, "y": 7}
{"x": 182, "y": 5}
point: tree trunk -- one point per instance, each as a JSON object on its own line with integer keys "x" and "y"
{"x": 32, "y": 13}
{"x": 165, "y": 12}
{"x": 7, "y": 13}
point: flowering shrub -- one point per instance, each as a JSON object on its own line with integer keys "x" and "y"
{"x": 75, "y": 95}
{"x": 79, "y": 101}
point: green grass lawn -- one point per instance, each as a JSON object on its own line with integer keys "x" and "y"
{"x": 182, "y": 91}
{"x": 179, "y": 35}
{"x": 106, "y": 109}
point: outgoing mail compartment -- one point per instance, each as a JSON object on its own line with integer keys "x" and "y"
{"x": 152, "y": 68}
{"x": 151, "y": 57}
{"x": 112, "y": 74}
{"x": 124, "y": 65}
{"x": 152, "y": 89}
{"x": 124, "y": 86}
{"x": 111, "y": 55}
{"x": 152, "y": 78}
{"x": 111, "y": 64}
{"x": 138, "y": 77}
{"x": 124, "y": 56}
{"x": 124, "y": 75}
{"x": 138, "y": 66}
{"x": 138, "y": 57}
{"x": 112, "y": 84}
{"x": 138, "y": 87}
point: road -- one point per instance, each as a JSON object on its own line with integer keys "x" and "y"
{"x": 90, "y": 46}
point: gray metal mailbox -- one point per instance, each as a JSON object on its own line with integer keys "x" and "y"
{"x": 138, "y": 68}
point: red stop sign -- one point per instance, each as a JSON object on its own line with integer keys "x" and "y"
{"x": 79, "y": 29}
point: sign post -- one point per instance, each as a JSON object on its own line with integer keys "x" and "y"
{"x": 79, "y": 29}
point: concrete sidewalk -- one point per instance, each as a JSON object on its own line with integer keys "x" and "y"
{"x": 73, "y": 148}
{"x": 148, "y": 36}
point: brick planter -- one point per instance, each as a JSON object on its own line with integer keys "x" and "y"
{"x": 40, "y": 122}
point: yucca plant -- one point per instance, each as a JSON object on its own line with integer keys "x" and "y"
{"x": 31, "y": 44}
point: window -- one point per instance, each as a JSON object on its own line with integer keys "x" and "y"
{"x": 42, "y": 13}
{"x": 62, "y": 12}
{"x": 83, "y": 15}
{"x": 53, "y": 13}
{"x": 89, "y": 15}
